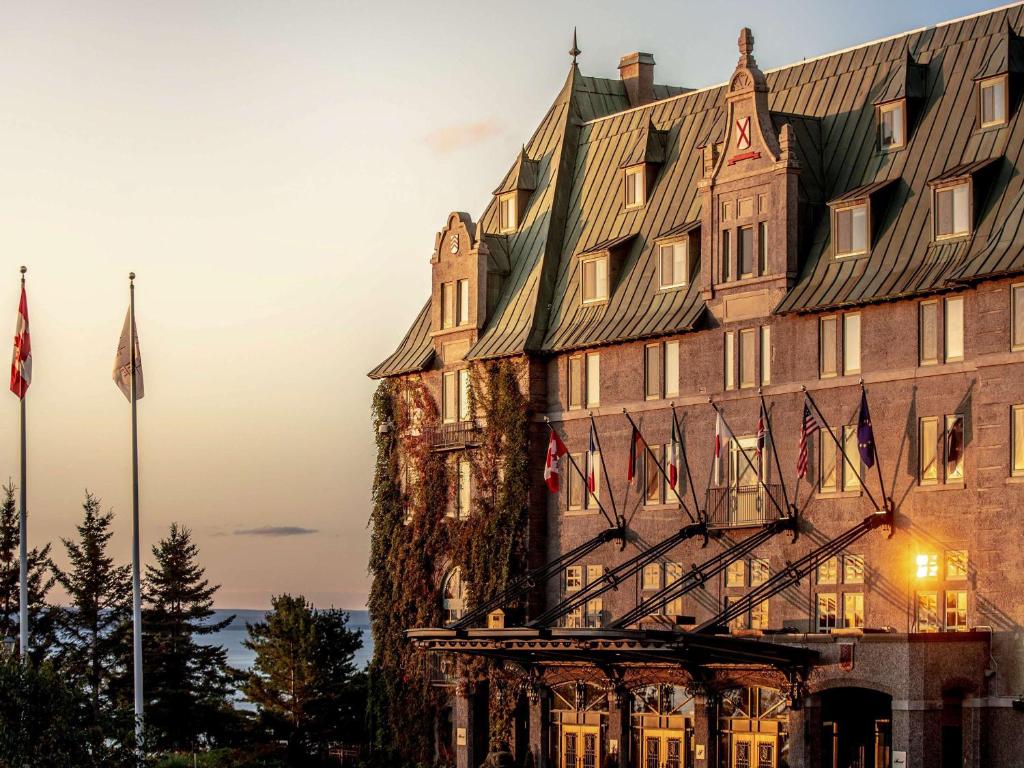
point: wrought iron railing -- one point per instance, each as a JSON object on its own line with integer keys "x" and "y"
{"x": 743, "y": 505}
{"x": 452, "y": 436}
{"x": 440, "y": 668}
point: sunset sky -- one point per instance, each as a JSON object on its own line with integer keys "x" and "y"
{"x": 275, "y": 173}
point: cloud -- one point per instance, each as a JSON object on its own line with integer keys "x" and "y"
{"x": 276, "y": 530}
{"x": 462, "y": 135}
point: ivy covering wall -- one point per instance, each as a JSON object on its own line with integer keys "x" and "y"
{"x": 414, "y": 543}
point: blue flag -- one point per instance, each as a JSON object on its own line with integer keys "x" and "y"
{"x": 865, "y": 434}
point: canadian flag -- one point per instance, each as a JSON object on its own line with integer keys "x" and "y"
{"x": 673, "y": 457}
{"x": 556, "y": 450}
{"x": 21, "y": 362}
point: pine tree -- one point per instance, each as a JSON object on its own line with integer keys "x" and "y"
{"x": 40, "y": 581}
{"x": 186, "y": 683}
{"x": 93, "y": 631}
{"x": 304, "y": 680}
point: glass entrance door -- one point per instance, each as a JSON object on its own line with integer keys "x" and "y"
{"x": 662, "y": 749}
{"x": 581, "y": 746}
{"x": 754, "y": 750}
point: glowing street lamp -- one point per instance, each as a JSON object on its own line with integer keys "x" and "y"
{"x": 8, "y": 646}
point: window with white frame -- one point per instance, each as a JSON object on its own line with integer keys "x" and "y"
{"x": 652, "y": 371}
{"x": 736, "y": 574}
{"x": 762, "y": 246}
{"x": 851, "y": 469}
{"x": 1017, "y": 317}
{"x": 661, "y": 370}
{"x": 853, "y": 569}
{"x": 928, "y": 440}
{"x": 830, "y": 333}
{"x": 673, "y": 573}
{"x": 595, "y": 279}
{"x": 464, "y": 395}
{"x": 851, "y": 343}
{"x": 828, "y": 571}
{"x": 745, "y": 251}
{"x": 650, "y": 577}
{"x": 508, "y": 219}
{"x": 460, "y": 508}
{"x": 1017, "y": 440}
{"x": 729, "y": 360}
{"x": 928, "y": 333}
{"x": 826, "y": 613}
{"x": 453, "y": 596}
{"x": 674, "y": 263}
{"x": 953, "y": 325}
{"x": 726, "y": 254}
{"x": 766, "y": 354}
{"x": 578, "y": 495}
{"x": 584, "y": 380}
{"x": 636, "y": 193}
{"x": 759, "y": 571}
{"x": 892, "y": 125}
{"x": 759, "y": 615}
{"x": 956, "y": 610}
{"x": 928, "y": 611}
{"x": 447, "y": 305}
{"x": 992, "y": 101}
{"x": 853, "y": 610}
{"x": 653, "y": 484}
{"x": 828, "y": 347}
{"x": 851, "y": 228}
{"x": 951, "y": 207}
{"x": 956, "y": 565}
{"x": 748, "y": 358}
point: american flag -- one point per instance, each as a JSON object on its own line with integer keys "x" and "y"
{"x": 811, "y": 424}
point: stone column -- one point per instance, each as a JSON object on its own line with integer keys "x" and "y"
{"x": 618, "y": 727}
{"x": 805, "y": 734}
{"x": 705, "y": 730}
{"x": 463, "y": 722}
{"x": 540, "y": 726}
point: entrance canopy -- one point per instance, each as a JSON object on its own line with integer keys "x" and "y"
{"x": 637, "y": 654}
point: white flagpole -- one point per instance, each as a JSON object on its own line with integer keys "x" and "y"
{"x": 23, "y": 528}
{"x": 136, "y": 579}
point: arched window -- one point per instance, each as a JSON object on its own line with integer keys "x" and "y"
{"x": 453, "y": 596}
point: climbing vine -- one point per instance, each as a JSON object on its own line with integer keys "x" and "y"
{"x": 413, "y": 543}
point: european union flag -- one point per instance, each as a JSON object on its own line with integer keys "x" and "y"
{"x": 865, "y": 434}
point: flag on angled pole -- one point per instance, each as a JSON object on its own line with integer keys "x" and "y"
{"x": 123, "y": 361}
{"x": 759, "y": 445}
{"x": 811, "y": 423}
{"x": 556, "y": 450}
{"x": 865, "y": 432}
{"x": 636, "y": 442}
{"x": 21, "y": 362}
{"x": 672, "y": 460}
{"x": 719, "y": 429}
{"x": 592, "y": 460}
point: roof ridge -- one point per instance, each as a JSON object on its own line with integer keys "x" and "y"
{"x": 819, "y": 57}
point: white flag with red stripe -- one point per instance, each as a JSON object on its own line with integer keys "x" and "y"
{"x": 556, "y": 450}
{"x": 673, "y": 456}
{"x": 21, "y": 362}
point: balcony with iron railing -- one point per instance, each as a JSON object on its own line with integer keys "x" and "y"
{"x": 452, "y": 436}
{"x": 740, "y": 506}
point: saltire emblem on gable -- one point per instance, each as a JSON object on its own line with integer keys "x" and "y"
{"x": 743, "y": 133}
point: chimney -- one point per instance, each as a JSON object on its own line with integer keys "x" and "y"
{"x": 637, "y": 72}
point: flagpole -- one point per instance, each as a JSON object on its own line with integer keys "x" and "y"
{"x": 23, "y": 526}
{"x": 136, "y": 578}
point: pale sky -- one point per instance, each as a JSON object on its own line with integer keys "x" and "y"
{"x": 274, "y": 172}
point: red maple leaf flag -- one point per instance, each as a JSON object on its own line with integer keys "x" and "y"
{"x": 673, "y": 457}
{"x": 556, "y": 450}
{"x": 21, "y": 362}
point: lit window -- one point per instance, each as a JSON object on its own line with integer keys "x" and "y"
{"x": 464, "y": 414}
{"x": 507, "y": 214}
{"x": 745, "y": 251}
{"x": 956, "y": 610}
{"x": 453, "y": 596}
{"x": 735, "y": 574}
{"x": 671, "y": 385}
{"x": 766, "y": 354}
{"x": 575, "y": 376}
{"x": 851, "y": 230}
{"x": 595, "y": 279}
{"x": 575, "y": 500}
{"x": 828, "y": 571}
{"x": 462, "y": 302}
{"x": 927, "y": 566}
{"x": 853, "y": 609}
{"x": 992, "y": 95}
{"x": 891, "y": 125}
{"x": 954, "y": 453}
{"x": 730, "y": 360}
{"x": 673, "y": 573}
{"x": 828, "y": 344}
{"x": 635, "y": 192}
{"x": 593, "y": 379}
{"x": 450, "y": 397}
{"x": 726, "y": 256}
{"x": 954, "y": 328}
{"x": 674, "y": 272}
{"x": 652, "y": 475}
{"x": 927, "y": 612}
{"x": 762, "y": 248}
{"x": 594, "y": 573}
{"x": 1017, "y": 320}
{"x": 759, "y": 615}
{"x": 851, "y": 459}
{"x": 851, "y": 343}
{"x": 748, "y": 356}
{"x": 595, "y": 612}
{"x": 828, "y": 467}
{"x": 956, "y": 564}
{"x": 853, "y": 569}
{"x": 759, "y": 571}
{"x": 574, "y": 578}
{"x": 928, "y": 332}
{"x": 826, "y": 611}
{"x": 740, "y": 620}
{"x": 651, "y": 577}
{"x": 463, "y": 493}
{"x": 952, "y": 211}
{"x": 928, "y": 439}
{"x": 447, "y": 305}
{"x": 574, "y": 618}
{"x": 652, "y": 371}
{"x": 1017, "y": 441}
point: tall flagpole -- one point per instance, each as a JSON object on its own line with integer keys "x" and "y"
{"x": 136, "y": 579}
{"x": 23, "y": 527}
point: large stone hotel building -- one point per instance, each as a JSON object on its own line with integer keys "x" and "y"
{"x": 728, "y": 269}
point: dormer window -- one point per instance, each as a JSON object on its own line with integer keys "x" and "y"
{"x": 850, "y": 224}
{"x": 992, "y": 102}
{"x": 595, "y": 279}
{"x": 892, "y": 125}
{"x": 675, "y": 264}
{"x": 636, "y": 187}
{"x": 508, "y": 214}
{"x": 951, "y": 206}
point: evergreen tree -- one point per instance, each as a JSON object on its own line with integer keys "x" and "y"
{"x": 40, "y": 580}
{"x": 94, "y": 630}
{"x": 304, "y": 680}
{"x": 186, "y": 683}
